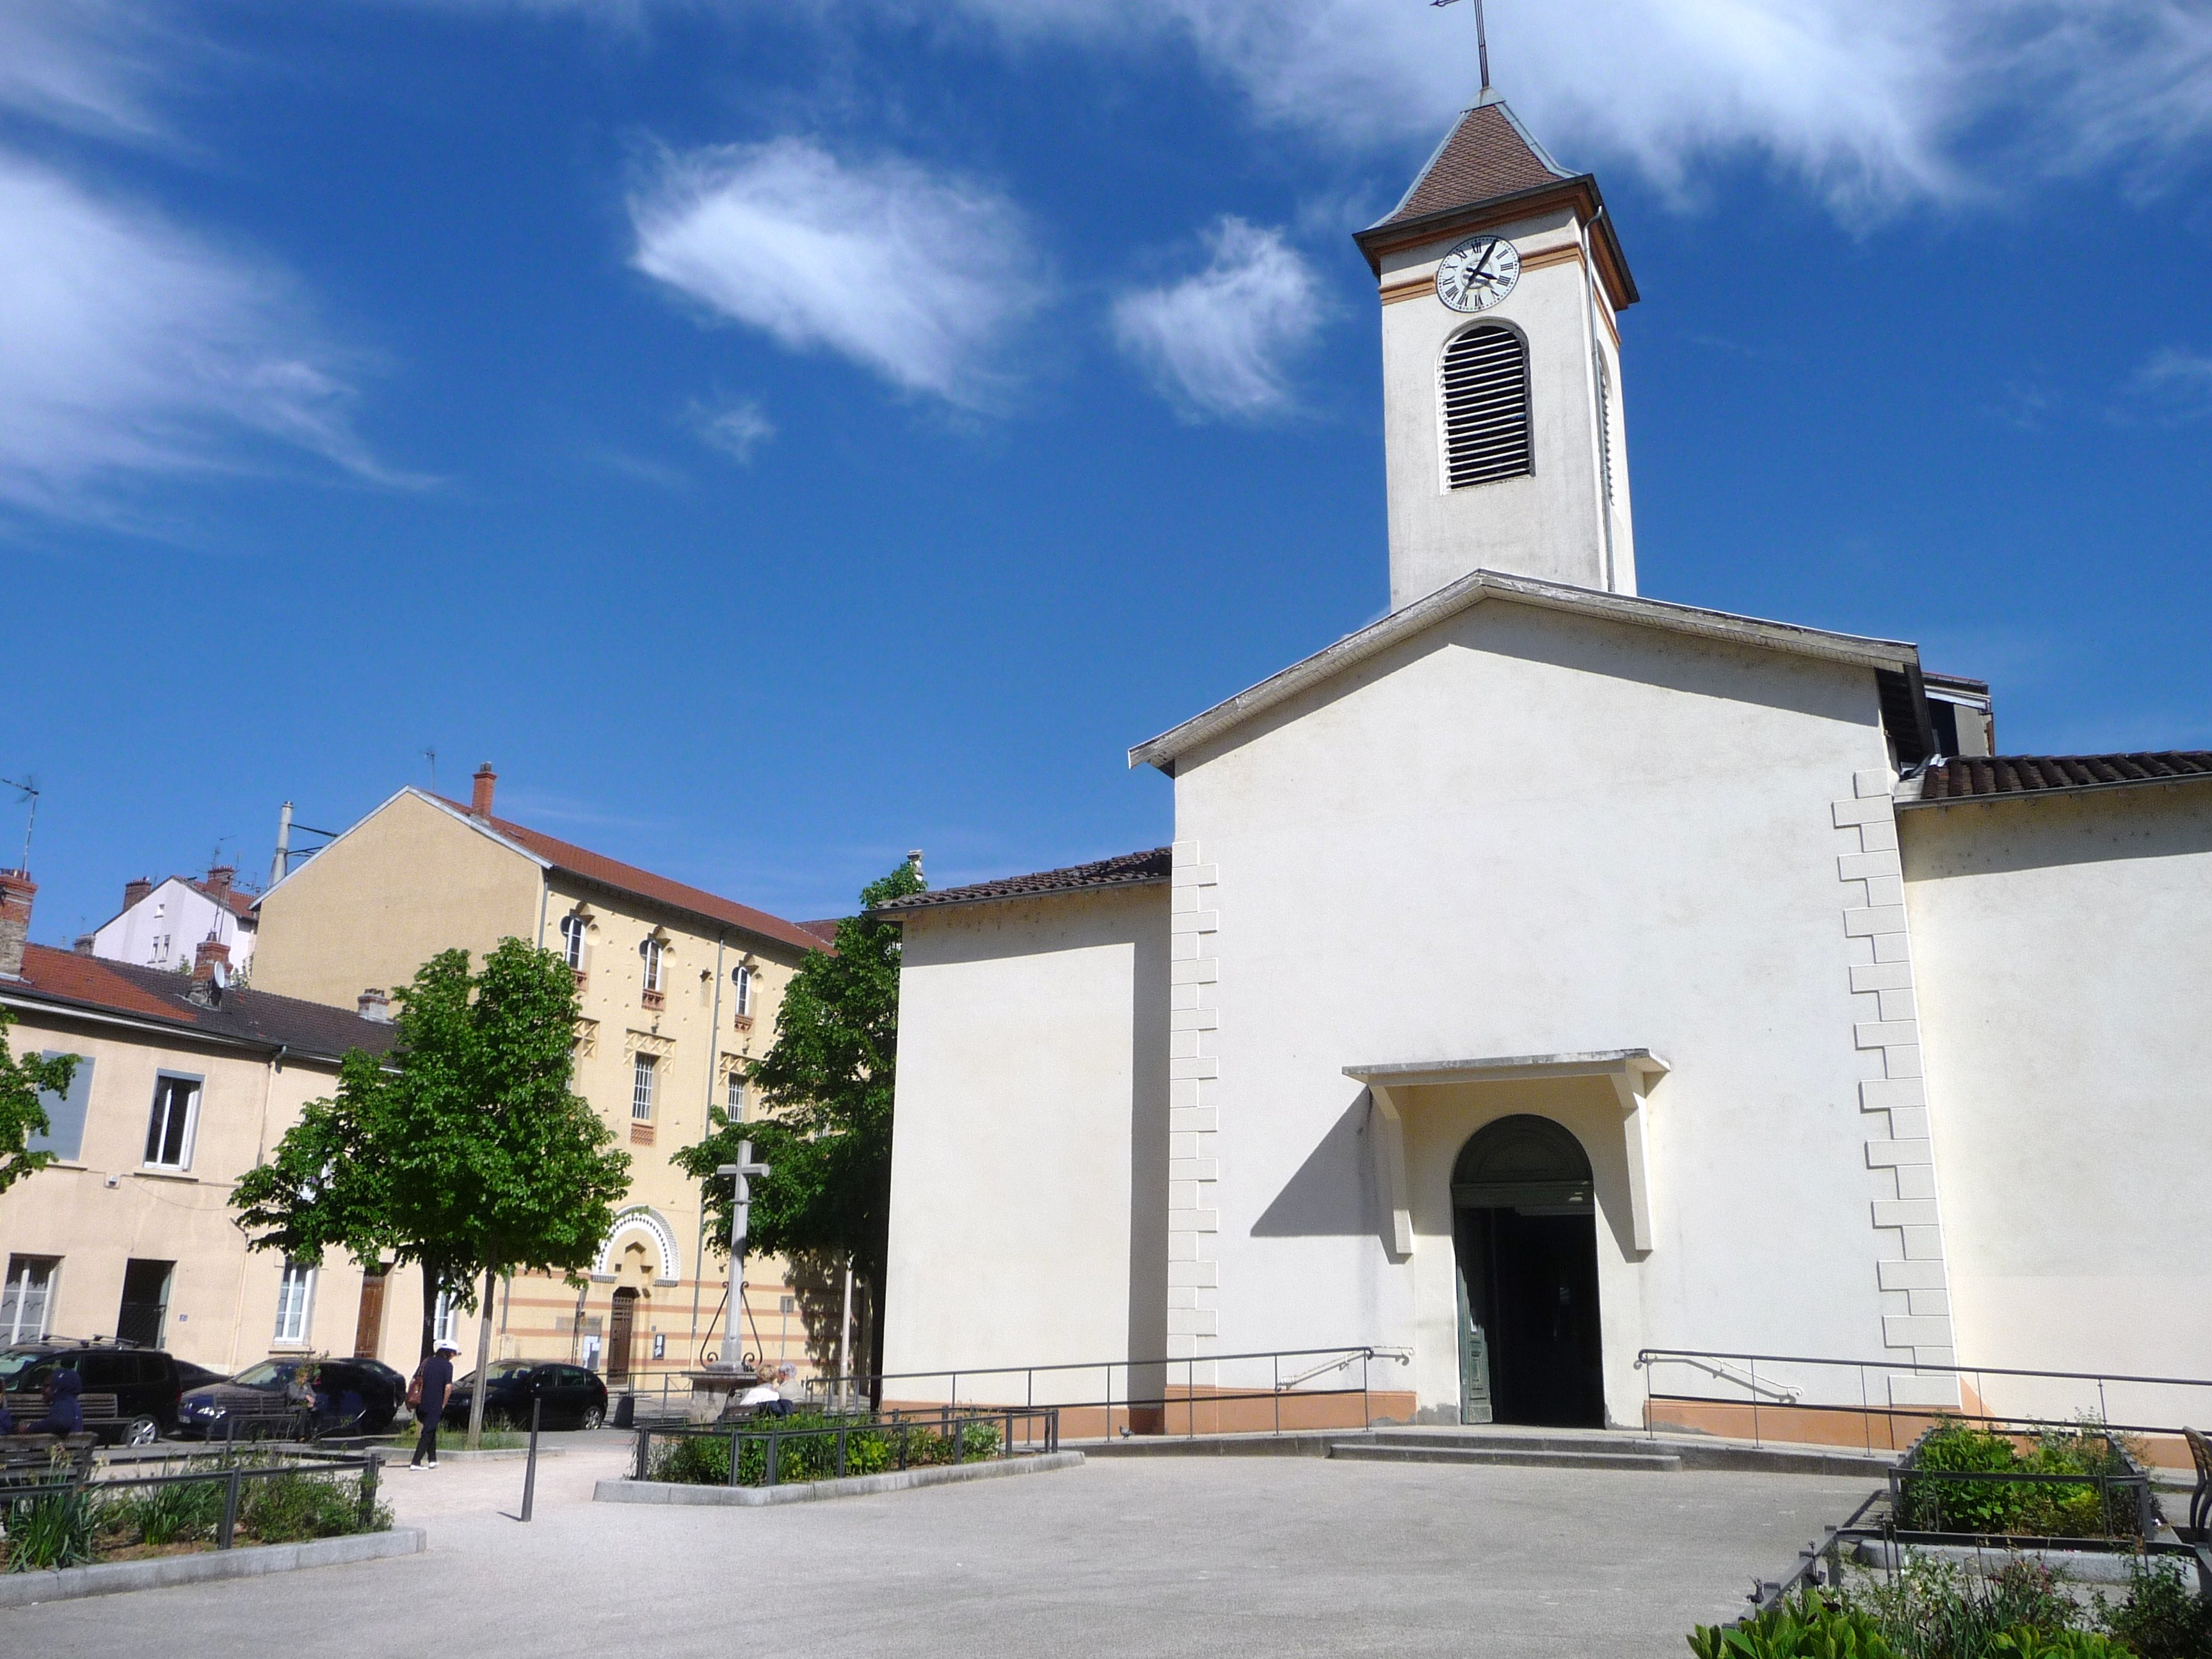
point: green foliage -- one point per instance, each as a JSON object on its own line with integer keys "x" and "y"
{"x": 2020, "y": 1508}
{"x": 290, "y": 1508}
{"x": 826, "y": 1086}
{"x": 2160, "y": 1618}
{"x": 170, "y": 1515}
{"x": 870, "y": 1448}
{"x": 22, "y": 1080}
{"x": 54, "y": 1528}
{"x": 2025, "y": 1642}
{"x": 1803, "y": 1627}
{"x": 466, "y": 1152}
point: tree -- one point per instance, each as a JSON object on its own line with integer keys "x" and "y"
{"x": 826, "y": 1084}
{"x": 22, "y": 1082}
{"x": 466, "y": 1152}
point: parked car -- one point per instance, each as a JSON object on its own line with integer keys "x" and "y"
{"x": 143, "y": 1381}
{"x": 198, "y": 1377}
{"x": 573, "y": 1397}
{"x": 364, "y": 1395}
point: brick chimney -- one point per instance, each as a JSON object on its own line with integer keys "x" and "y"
{"x": 374, "y": 1005}
{"x": 17, "y": 890}
{"x": 218, "y": 882}
{"x": 134, "y": 890}
{"x": 209, "y": 954}
{"x": 480, "y": 802}
{"x": 84, "y": 944}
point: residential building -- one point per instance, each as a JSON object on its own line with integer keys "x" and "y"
{"x": 182, "y": 1085}
{"x": 1546, "y": 976}
{"x": 678, "y": 988}
{"x": 162, "y": 923}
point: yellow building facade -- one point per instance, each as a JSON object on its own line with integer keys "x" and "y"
{"x": 678, "y": 989}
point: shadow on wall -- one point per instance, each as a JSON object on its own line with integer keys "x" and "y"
{"x": 1333, "y": 1194}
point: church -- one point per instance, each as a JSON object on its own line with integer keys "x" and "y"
{"x": 1547, "y": 977}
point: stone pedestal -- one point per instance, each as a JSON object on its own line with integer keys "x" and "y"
{"x": 715, "y": 1387}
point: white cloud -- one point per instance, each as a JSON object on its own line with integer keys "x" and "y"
{"x": 128, "y": 347}
{"x": 2172, "y": 384}
{"x": 737, "y": 429}
{"x": 82, "y": 64}
{"x": 1216, "y": 342}
{"x": 921, "y": 277}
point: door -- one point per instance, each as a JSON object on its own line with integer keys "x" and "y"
{"x": 618, "y": 1334}
{"x": 1475, "y": 1401}
{"x": 145, "y": 1302}
{"x": 369, "y": 1328}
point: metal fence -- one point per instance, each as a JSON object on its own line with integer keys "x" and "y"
{"x": 903, "y": 1440}
{"x": 60, "y": 1480}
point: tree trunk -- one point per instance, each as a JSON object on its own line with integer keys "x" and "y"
{"x": 483, "y": 1361}
{"x": 431, "y": 1288}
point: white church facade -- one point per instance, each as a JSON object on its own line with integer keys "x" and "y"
{"x": 1547, "y": 974}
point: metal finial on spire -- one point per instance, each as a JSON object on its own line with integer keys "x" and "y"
{"x": 1482, "y": 41}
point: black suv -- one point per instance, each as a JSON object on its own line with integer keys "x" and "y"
{"x": 352, "y": 1396}
{"x": 143, "y": 1381}
{"x": 573, "y": 1397}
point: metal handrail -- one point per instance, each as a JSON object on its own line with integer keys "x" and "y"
{"x": 1645, "y": 1355}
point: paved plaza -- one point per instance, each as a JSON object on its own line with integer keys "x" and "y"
{"x": 1124, "y": 1556}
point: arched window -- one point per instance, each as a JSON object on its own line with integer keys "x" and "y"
{"x": 744, "y": 980}
{"x": 572, "y": 940}
{"x": 1486, "y": 404}
{"x": 650, "y": 950}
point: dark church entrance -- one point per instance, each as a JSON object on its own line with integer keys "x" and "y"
{"x": 1526, "y": 1231}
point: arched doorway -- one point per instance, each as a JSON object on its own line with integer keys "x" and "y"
{"x": 1526, "y": 1233}
{"x": 620, "y": 1329}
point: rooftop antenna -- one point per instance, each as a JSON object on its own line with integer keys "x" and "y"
{"x": 431, "y": 756}
{"x": 1482, "y": 41}
{"x": 28, "y": 790}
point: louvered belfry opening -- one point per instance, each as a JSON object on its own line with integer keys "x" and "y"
{"x": 1486, "y": 395}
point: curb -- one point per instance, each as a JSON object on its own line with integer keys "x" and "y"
{"x": 22, "y": 1589}
{"x": 626, "y": 1490}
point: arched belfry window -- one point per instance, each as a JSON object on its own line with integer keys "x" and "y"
{"x": 1486, "y": 404}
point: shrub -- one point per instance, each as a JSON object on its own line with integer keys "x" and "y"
{"x": 2041, "y": 1509}
{"x": 703, "y": 1460}
{"x": 52, "y": 1530}
{"x": 1805, "y": 1627}
{"x": 2160, "y": 1619}
{"x": 171, "y": 1514}
{"x": 290, "y": 1508}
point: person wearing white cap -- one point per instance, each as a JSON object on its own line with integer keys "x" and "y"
{"x": 434, "y": 1377}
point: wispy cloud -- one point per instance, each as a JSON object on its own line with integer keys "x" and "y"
{"x": 130, "y": 347}
{"x": 88, "y": 64}
{"x": 2173, "y": 385}
{"x": 920, "y": 276}
{"x": 1217, "y": 342}
{"x": 736, "y": 428}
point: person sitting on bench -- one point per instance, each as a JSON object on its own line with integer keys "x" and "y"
{"x": 764, "y": 1399}
{"x": 64, "y": 1415}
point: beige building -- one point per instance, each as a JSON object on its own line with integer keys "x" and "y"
{"x": 679, "y": 987}
{"x": 181, "y": 1086}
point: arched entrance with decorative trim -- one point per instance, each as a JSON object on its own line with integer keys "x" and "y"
{"x": 1525, "y": 1235}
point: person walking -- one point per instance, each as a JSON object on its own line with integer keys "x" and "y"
{"x": 434, "y": 1377}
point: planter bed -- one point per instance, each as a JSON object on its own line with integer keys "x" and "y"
{"x": 805, "y": 1491}
{"x": 20, "y": 1590}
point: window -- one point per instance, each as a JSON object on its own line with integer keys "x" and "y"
{"x": 1486, "y": 404}
{"x": 736, "y": 1096}
{"x": 650, "y": 950}
{"x": 169, "y": 1129}
{"x": 294, "y": 1295}
{"x": 743, "y": 978}
{"x": 446, "y": 1322}
{"x": 28, "y": 1298}
{"x": 640, "y": 1089}
{"x": 65, "y": 1135}
{"x": 1605, "y": 429}
{"x": 572, "y": 940}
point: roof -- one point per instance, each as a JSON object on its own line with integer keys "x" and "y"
{"x": 1487, "y": 153}
{"x": 1143, "y": 869}
{"x": 596, "y": 867}
{"x": 66, "y": 981}
{"x": 241, "y": 903}
{"x": 1488, "y": 170}
{"x": 1896, "y": 664}
{"x": 1982, "y": 778}
{"x": 824, "y": 928}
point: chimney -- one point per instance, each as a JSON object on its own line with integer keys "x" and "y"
{"x": 84, "y": 944}
{"x": 134, "y": 890}
{"x": 480, "y": 803}
{"x": 218, "y": 881}
{"x": 375, "y": 1005}
{"x": 17, "y": 890}
{"x": 208, "y": 955}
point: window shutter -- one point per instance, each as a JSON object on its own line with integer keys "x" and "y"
{"x": 64, "y": 1139}
{"x": 1485, "y": 400}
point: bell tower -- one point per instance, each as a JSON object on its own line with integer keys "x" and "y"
{"x": 1501, "y": 284}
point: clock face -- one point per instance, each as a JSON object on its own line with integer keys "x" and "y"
{"x": 1478, "y": 273}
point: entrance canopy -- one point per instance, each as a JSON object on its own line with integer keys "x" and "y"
{"x": 1632, "y": 1072}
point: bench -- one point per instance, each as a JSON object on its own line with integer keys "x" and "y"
{"x": 28, "y": 1407}
{"x": 28, "y": 1459}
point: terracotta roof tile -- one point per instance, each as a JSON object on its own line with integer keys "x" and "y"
{"x": 260, "y": 1017}
{"x": 1487, "y": 155}
{"x": 628, "y": 878}
{"x": 1975, "y": 777}
{"x": 1128, "y": 870}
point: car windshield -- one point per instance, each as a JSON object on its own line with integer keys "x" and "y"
{"x": 268, "y": 1374}
{"x": 14, "y": 1360}
{"x": 506, "y": 1367}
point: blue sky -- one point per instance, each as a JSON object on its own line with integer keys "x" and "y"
{"x": 780, "y": 435}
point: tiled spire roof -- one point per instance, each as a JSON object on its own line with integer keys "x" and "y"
{"x": 1487, "y": 155}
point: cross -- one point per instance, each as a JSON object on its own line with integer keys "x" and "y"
{"x": 741, "y": 1208}
{"x": 1481, "y": 40}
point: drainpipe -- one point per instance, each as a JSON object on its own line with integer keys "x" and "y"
{"x": 713, "y": 1055}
